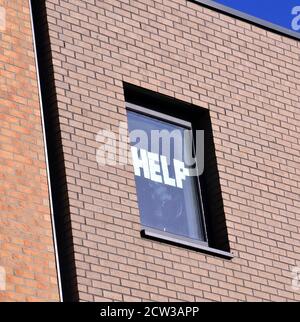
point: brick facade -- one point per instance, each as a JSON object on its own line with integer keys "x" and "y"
{"x": 26, "y": 241}
{"x": 248, "y": 79}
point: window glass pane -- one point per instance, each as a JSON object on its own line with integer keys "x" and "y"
{"x": 168, "y": 200}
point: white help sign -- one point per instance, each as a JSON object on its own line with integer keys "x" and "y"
{"x": 155, "y": 167}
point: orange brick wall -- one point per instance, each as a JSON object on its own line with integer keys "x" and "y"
{"x": 249, "y": 80}
{"x": 26, "y": 244}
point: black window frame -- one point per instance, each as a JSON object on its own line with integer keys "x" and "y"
{"x": 152, "y": 233}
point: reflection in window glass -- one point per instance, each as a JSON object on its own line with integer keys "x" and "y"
{"x": 168, "y": 199}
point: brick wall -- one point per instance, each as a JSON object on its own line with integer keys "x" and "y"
{"x": 247, "y": 77}
{"x": 26, "y": 244}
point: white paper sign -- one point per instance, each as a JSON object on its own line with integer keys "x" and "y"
{"x": 155, "y": 167}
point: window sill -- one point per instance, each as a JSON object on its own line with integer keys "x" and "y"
{"x": 160, "y": 236}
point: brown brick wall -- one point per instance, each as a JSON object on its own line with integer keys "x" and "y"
{"x": 249, "y": 80}
{"x": 26, "y": 241}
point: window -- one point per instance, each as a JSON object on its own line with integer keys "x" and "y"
{"x": 169, "y": 199}
{"x": 178, "y": 202}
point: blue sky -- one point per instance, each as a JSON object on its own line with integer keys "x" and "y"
{"x": 275, "y": 11}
